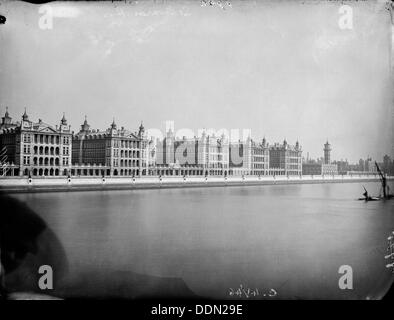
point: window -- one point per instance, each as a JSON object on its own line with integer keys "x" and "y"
{"x": 26, "y": 138}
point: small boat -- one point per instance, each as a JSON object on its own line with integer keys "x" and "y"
{"x": 368, "y": 197}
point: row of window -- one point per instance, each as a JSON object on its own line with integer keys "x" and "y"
{"x": 129, "y": 153}
{"x": 215, "y": 150}
{"x": 215, "y": 157}
{"x": 45, "y": 161}
{"x": 260, "y": 159}
{"x": 41, "y": 161}
{"x": 293, "y": 167}
{"x": 260, "y": 166}
{"x": 129, "y": 163}
{"x": 40, "y": 138}
{"x": 44, "y": 150}
{"x": 218, "y": 165}
{"x": 126, "y": 144}
{"x": 260, "y": 152}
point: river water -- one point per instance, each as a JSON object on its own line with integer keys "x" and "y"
{"x": 290, "y": 238}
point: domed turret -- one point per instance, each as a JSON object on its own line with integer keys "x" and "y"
{"x": 85, "y": 126}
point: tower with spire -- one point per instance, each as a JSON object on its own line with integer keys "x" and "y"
{"x": 25, "y": 117}
{"x": 264, "y": 142}
{"x": 327, "y": 153}
{"x": 113, "y": 129}
{"x": 63, "y": 124}
{"x": 327, "y": 167}
{"x": 141, "y": 130}
{"x": 63, "y": 121}
{"x": 113, "y": 124}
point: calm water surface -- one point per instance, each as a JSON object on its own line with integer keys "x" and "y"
{"x": 291, "y": 238}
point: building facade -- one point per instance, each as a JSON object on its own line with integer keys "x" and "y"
{"x": 285, "y": 159}
{"x": 249, "y": 158}
{"x": 311, "y": 168}
{"x": 113, "y": 152}
{"x": 36, "y": 148}
{"x": 205, "y": 155}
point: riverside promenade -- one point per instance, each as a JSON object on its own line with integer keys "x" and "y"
{"x": 53, "y": 184}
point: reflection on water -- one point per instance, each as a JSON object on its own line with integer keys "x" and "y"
{"x": 291, "y": 238}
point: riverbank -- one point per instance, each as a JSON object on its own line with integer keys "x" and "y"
{"x": 54, "y": 184}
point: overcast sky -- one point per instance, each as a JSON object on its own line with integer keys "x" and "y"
{"x": 281, "y": 69}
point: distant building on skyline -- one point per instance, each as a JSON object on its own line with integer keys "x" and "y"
{"x": 327, "y": 167}
{"x": 324, "y": 167}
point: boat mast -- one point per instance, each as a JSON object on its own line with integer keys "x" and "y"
{"x": 382, "y": 179}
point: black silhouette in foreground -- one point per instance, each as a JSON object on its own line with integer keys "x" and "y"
{"x": 26, "y": 243}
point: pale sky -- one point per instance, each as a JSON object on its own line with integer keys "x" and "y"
{"x": 281, "y": 69}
